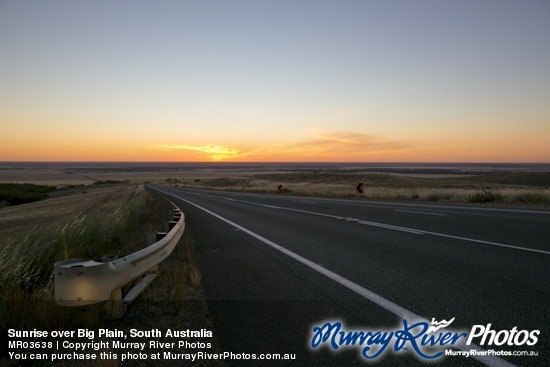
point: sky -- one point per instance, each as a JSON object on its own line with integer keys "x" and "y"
{"x": 275, "y": 81}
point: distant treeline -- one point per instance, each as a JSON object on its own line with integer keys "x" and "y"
{"x": 15, "y": 194}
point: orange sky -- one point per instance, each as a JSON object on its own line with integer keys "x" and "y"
{"x": 328, "y": 146}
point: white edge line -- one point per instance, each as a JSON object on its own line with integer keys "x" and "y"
{"x": 388, "y": 305}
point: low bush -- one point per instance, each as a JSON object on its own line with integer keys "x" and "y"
{"x": 538, "y": 198}
{"x": 486, "y": 196}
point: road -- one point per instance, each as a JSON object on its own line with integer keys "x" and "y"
{"x": 274, "y": 267}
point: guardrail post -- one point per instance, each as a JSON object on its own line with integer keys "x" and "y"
{"x": 115, "y": 307}
{"x": 160, "y": 235}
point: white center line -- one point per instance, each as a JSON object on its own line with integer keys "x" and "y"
{"x": 393, "y": 227}
{"x": 427, "y": 213}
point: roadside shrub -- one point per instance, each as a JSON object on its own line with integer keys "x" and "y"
{"x": 533, "y": 198}
{"x": 486, "y": 196}
{"x": 436, "y": 196}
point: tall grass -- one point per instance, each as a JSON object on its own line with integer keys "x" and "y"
{"x": 383, "y": 187}
{"x": 179, "y": 274}
{"x": 107, "y": 221}
{"x": 486, "y": 196}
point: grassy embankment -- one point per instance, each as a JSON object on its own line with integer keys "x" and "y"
{"x": 100, "y": 221}
{"x": 529, "y": 189}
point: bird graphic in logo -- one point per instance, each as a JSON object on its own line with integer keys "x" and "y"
{"x": 439, "y": 325}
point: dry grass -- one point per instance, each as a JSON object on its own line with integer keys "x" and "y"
{"x": 389, "y": 187}
{"x": 34, "y": 236}
{"x": 46, "y": 176}
{"x": 178, "y": 275}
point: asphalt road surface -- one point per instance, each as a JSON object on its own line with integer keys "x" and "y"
{"x": 275, "y": 267}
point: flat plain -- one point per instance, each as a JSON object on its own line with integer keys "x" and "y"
{"x": 501, "y": 184}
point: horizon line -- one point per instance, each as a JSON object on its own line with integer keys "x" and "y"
{"x": 276, "y": 162}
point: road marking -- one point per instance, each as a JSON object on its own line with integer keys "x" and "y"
{"x": 388, "y": 305}
{"x": 487, "y": 242}
{"x": 427, "y": 213}
{"x": 381, "y": 225}
{"x": 387, "y": 226}
{"x": 365, "y": 202}
{"x": 306, "y": 202}
{"x": 506, "y": 210}
{"x": 395, "y": 228}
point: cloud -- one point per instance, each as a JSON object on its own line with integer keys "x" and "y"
{"x": 344, "y": 143}
{"x": 326, "y": 145}
{"x": 214, "y": 152}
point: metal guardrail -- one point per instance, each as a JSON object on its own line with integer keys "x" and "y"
{"x": 80, "y": 282}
